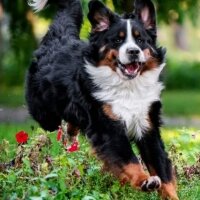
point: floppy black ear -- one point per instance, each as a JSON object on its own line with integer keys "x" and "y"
{"x": 100, "y": 16}
{"x": 145, "y": 11}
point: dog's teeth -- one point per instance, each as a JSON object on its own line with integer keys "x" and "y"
{"x": 126, "y": 71}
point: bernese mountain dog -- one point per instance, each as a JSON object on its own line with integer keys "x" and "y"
{"x": 108, "y": 87}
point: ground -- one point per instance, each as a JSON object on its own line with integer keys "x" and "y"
{"x": 78, "y": 175}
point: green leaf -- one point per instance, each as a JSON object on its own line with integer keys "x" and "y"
{"x": 51, "y": 176}
{"x": 12, "y": 177}
{"x": 88, "y": 198}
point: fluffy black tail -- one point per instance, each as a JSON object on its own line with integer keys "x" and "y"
{"x": 39, "y": 5}
{"x": 72, "y": 18}
{"x": 41, "y": 99}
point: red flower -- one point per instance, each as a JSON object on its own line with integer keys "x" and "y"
{"x": 21, "y": 137}
{"x": 59, "y": 134}
{"x": 73, "y": 147}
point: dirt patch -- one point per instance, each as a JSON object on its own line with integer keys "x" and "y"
{"x": 18, "y": 115}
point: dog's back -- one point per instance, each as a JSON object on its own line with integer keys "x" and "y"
{"x": 57, "y": 54}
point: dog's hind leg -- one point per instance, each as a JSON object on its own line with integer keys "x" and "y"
{"x": 70, "y": 132}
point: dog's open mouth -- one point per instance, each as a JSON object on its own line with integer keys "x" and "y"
{"x": 130, "y": 70}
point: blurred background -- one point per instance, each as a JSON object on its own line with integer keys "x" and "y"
{"x": 178, "y": 30}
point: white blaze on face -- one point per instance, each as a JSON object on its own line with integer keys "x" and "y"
{"x": 129, "y": 44}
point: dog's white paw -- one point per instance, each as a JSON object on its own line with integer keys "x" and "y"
{"x": 152, "y": 183}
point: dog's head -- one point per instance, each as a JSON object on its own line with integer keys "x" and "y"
{"x": 126, "y": 44}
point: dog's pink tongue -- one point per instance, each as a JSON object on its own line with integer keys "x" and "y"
{"x": 131, "y": 68}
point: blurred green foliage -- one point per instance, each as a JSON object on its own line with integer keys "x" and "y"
{"x": 178, "y": 10}
{"x": 16, "y": 56}
{"x": 22, "y": 42}
{"x": 182, "y": 75}
{"x": 171, "y": 10}
{"x": 181, "y": 103}
{"x": 13, "y": 97}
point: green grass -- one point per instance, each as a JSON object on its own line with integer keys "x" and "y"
{"x": 8, "y": 130}
{"x": 58, "y": 181}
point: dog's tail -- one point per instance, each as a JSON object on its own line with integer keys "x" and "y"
{"x": 38, "y": 5}
{"x": 72, "y": 8}
{"x": 41, "y": 98}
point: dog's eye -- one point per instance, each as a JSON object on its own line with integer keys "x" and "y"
{"x": 140, "y": 41}
{"x": 118, "y": 41}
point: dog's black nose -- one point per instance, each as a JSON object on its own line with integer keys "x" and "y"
{"x": 132, "y": 51}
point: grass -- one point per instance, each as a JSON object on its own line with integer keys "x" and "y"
{"x": 60, "y": 180}
{"x": 8, "y": 131}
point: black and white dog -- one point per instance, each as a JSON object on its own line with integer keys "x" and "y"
{"x": 108, "y": 87}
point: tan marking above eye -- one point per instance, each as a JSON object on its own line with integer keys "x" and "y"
{"x": 121, "y": 34}
{"x": 136, "y": 33}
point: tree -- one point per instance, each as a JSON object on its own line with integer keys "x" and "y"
{"x": 1, "y": 37}
{"x": 22, "y": 40}
{"x": 171, "y": 10}
{"x": 175, "y": 13}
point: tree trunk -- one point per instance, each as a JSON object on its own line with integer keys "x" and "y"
{"x": 180, "y": 36}
{"x": 1, "y": 38}
{"x": 22, "y": 41}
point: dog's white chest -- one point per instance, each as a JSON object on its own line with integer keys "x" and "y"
{"x": 130, "y": 100}
{"x": 133, "y": 109}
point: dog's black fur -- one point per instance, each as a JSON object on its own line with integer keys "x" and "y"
{"x": 58, "y": 87}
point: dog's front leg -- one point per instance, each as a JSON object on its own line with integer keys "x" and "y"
{"x": 155, "y": 157}
{"x": 158, "y": 163}
{"x": 111, "y": 145}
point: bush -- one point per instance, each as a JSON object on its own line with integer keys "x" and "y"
{"x": 184, "y": 75}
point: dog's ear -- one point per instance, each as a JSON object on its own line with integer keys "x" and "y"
{"x": 100, "y": 16}
{"x": 145, "y": 11}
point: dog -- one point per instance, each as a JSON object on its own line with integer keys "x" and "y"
{"x": 108, "y": 87}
